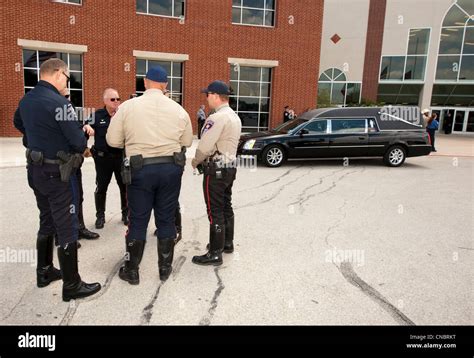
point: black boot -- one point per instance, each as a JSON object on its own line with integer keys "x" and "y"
{"x": 45, "y": 271}
{"x": 129, "y": 272}
{"x": 229, "y": 235}
{"x": 83, "y": 232}
{"x": 100, "y": 210}
{"x": 216, "y": 245}
{"x": 73, "y": 286}
{"x": 165, "y": 257}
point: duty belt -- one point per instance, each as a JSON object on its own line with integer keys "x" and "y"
{"x": 158, "y": 160}
{"x": 51, "y": 161}
{"x": 37, "y": 158}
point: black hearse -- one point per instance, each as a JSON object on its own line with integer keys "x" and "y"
{"x": 392, "y": 133}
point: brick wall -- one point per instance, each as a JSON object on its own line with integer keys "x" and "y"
{"x": 112, "y": 30}
{"x": 373, "y": 49}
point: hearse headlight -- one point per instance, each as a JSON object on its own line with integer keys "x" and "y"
{"x": 249, "y": 144}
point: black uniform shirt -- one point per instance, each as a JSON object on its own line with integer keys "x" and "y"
{"x": 101, "y": 123}
{"x": 48, "y": 122}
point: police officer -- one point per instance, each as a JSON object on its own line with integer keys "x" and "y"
{"x": 55, "y": 145}
{"x": 84, "y": 233}
{"x": 107, "y": 159}
{"x": 153, "y": 129}
{"x": 201, "y": 119}
{"x": 217, "y": 153}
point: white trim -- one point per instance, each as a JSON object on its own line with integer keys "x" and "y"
{"x": 160, "y": 56}
{"x": 51, "y": 46}
{"x": 252, "y": 62}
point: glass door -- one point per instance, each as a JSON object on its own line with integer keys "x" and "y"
{"x": 459, "y": 121}
{"x": 470, "y": 122}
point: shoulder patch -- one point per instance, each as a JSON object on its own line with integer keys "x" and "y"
{"x": 209, "y": 124}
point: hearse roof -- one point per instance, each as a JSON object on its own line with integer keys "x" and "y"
{"x": 388, "y": 118}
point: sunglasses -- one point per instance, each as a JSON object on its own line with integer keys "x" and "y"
{"x": 208, "y": 93}
{"x": 115, "y": 99}
{"x": 68, "y": 78}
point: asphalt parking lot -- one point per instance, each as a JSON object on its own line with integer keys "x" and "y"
{"x": 317, "y": 243}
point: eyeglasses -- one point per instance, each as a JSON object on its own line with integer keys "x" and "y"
{"x": 115, "y": 99}
{"x": 68, "y": 78}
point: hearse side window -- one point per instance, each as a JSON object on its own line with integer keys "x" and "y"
{"x": 348, "y": 126}
{"x": 317, "y": 127}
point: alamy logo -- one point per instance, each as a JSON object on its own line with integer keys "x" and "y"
{"x": 37, "y": 341}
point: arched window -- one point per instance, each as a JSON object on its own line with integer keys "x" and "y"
{"x": 456, "y": 46}
{"x": 334, "y": 90}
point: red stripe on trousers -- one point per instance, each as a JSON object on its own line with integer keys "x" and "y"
{"x": 208, "y": 199}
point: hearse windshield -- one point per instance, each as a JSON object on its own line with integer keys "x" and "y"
{"x": 289, "y": 127}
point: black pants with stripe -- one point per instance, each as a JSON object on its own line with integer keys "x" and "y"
{"x": 218, "y": 196}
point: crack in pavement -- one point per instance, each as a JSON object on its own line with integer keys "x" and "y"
{"x": 15, "y": 306}
{"x": 302, "y": 198}
{"x": 337, "y": 223}
{"x": 147, "y": 312}
{"x": 73, "y": 305}
{"x": 272, "y": 181}
{"x": 273, "y": 196}
{"x": 334, "y": 183}
{"x": 177, "y": 266}
{"x": 206, "y": 320}
{"x": 351, "y": 276}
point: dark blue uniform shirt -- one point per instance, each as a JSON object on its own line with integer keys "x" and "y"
{"x": 48, "y": 122}
{"x": 101, "y": 123}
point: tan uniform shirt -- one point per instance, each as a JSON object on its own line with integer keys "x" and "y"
{"x": 221, "y": 132}
{"x": 152, "y": 125}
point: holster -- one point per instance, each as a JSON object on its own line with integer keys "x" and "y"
{"x": 33, "y": 157}
{"x": 136, "y": 162}
{"x": 126, "y": 172}
{"x": 211, "y": 168}
{"x": 180, "y": 157}
{"x": 69, "y": 163}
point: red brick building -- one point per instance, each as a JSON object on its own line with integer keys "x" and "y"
{"x": 273, "y": 47}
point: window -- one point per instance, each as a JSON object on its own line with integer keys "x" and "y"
{"x": 455, "y": 95}
{"x": 253, "y": 12}
{"x": 456, "y": 47}
{"x": 339, "y": 126}
{"x": 392, "y": 68}
{"x": 317, "y": 127}
{"x": 175, "y": 77}
{"x": 251, "y": 88}
{"x": 168, "y": 8}
{"x": 32, "y": 60}
{"x": 409, "y": 67}
{"x": 334, "y": 89}
{"x": 399, "y": 93}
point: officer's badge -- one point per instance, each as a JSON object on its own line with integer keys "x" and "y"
{"x": 207, "y": 126}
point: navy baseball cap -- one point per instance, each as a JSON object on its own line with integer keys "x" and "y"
{"x": 217, "y": 87}
{"x": 157, "y": 74}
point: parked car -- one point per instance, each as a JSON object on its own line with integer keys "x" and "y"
{"x": 339, "y": 133}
